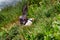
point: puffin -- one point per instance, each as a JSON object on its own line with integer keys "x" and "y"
{"x": 23, "y": 18}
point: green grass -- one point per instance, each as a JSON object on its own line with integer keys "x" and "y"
{"x": 45, "y": 27}
{"x": 9, "y": 14}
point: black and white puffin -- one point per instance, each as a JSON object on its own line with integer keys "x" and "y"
{"x": 23, "y": 19}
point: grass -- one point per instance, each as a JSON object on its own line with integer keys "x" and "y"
{"x": 45, "y": 27}
{"x": 10, "y": 14}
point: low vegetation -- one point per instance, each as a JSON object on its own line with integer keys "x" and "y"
{"x": 45, "y": 27}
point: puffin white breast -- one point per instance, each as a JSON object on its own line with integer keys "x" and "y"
{"x": 28, "y": 23}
